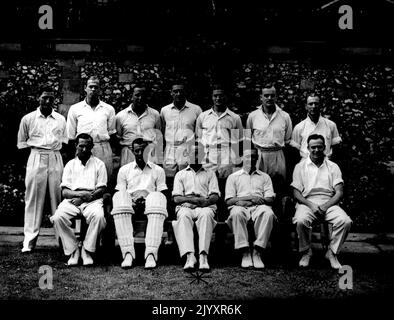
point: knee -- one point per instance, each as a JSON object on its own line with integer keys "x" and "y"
{"x": 207, "y": 213}
{"x": 184, "y": 214}
{"x": 301, "y": 221}
{"x": 58, "y": 217}
{"x": 237, "y": 213}
{"x": 268, "y": 214}
{"x": 98, "y": 215}
{"x": 346, "y": 221}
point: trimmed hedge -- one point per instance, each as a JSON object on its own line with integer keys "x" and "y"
{"x": 357, "y": 96}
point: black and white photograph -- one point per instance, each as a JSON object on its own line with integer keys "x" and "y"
{"x": 197, "y": 158}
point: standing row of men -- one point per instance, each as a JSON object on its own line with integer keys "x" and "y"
{"x": 196, "y": 190}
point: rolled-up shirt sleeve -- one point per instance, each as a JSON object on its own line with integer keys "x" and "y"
{"x": 336, "y": 139}
{"x": 289, "y": 129}
{"x": 296, "y": 138}
{"x": 101, "y": 176}
{"x": 336, "y": 176}
{"x": 161, "y": 181}
{"x": 67, "y": 177}
{"x": 213, "y": 186}
{"x": 230, "y": 188}
{"x": 297, "y": 179}
{"x": 71, "y": 124}
{"x": 178, "y": 189}
{"x": 121, "y": 182}
{"x": 268, "y": 188}
{"x": 111, "y": 122}
{"x": 23, "y": 135}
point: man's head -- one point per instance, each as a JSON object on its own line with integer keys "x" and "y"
{"x": 84, "y": 146}
{"x": 92, "y": 88}
{"x": 313, "y": 107}
{"x": 138, "y": 147}
{"x": 219, "y": 97}
{"x": 316, "y": 147}
{"x": 196, "y": 156}
{"x": 250, "y": 159}
{"x": 139, "y": 97}
{"x": 178, "y": 94}
{"x": 46, "y": 98}
{"x": 268, "y": 95}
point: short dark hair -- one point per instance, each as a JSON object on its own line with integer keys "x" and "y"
{"x": 312, "y": 94}
{"x": 84, "y": 136}
{"x": 316, "y": 136}
{"x": 268, "y": 85}
{"x": 46, "y": 88}
{"x": 139, "y": 141}
{"x": 218, "y": 86}
{"x": 93, "y": 78}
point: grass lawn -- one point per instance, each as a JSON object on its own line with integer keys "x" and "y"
{"x": 372, "y": 276}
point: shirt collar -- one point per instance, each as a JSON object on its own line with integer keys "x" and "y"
{"x": 87, "y": 162}
{"x": 310, "y": 121}
{"x": 147, "y": 164}
{"x": 222, "y": 115}
{"x": 130, "y": 109}
{"x": 277, "y": 110}
{"x": 309, "y": 162}
{"x": 100, "y": 105}
{"x": 187, "y": 105}
{"x": 39, "y": 114}
{"x": 188, "y": 168}
{"x": 257, "y": 171}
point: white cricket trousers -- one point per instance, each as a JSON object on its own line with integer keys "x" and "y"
{"x": 263, "y": 219}
{"x": 93, "y": 212}
{"x": 43, "y": 171}
{"x": 183, "y": 228}
{"x": 304, "y": 218}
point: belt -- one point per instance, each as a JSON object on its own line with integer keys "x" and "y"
{"x": 43, "y": 151}
{"x": 101, "y": 142}
{"x": 219, "y": 146}
{"x": 276, "y": 148}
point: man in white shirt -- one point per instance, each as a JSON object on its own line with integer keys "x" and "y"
{"x": 318, "y": 189}
{"x": 96, "y": 118}
{"x": 178, "y": 123}
{"x": 195, "y": 194}
{"x": 83, "y": 185}
{"x": 43, "y": 131}
{"x": 271, "y": 129}
{"x": 141, "y": 189}
{"x": 220, "y": 131}
{"x": 249, "y": 196}
{"x": 314, "y": 123}
{"x": 138, "y": 120}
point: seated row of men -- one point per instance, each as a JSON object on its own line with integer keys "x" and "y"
{"x": 249, "y": 194}
{"x": 45, "y": 133}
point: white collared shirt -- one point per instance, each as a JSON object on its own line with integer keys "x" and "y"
{"x": 90, "y": 176}
{"x": 312, "y": 180}
{"x": 36, "y": 130}
{"x": 131, "y": 178}
{"x": 268, "y": 133}
{"x": 179, "y": 125}
{"x": 325, "y": 127}
{"x": 99, "y": 122}
{"x": 188, "y": 182}
{"x": 243, "y": 184}
{"x": 130, "y": 126}
{"x": 212, "y": 129}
